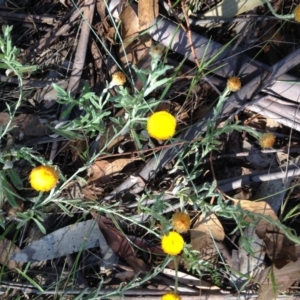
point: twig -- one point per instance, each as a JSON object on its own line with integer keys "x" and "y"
{"x": 28, "y": 288}
{"x": 79, "y": 59}
{"x": 230, "y": 184}
{"x": 189, "y": 33}
{"x": 28, "y": 18}
{"x": 176, "y": 17}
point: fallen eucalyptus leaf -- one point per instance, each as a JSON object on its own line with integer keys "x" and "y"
{"x": 67, "y": 240}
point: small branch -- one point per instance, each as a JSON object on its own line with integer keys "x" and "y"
{"x": 79, "y": 60}
{"x": 28, "y": 18}
{"x": 189, "y": 33}
{"x": 88, "y": 13}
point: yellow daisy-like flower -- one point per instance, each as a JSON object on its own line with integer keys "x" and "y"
{"x": 181, "y": 222}
{"x": 43, "y": 178}
{"x": 297, "y": 13}
{"x": 234, "y": 84}
{"x": 267, "y": 140}
{"x": 170, "y": 296}
{"x": 118, "y": 78}
{"x": 172, "y": 243}
{"x": 161, "y": 125}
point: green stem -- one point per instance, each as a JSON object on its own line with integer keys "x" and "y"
{"x": 282, "y": 17}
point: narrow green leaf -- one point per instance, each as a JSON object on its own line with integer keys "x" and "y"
{"x": 15, "y": 178}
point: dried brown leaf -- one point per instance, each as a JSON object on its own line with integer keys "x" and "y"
{"x": 136, "y": 46}
{"x": 204, "y": 231}
{"x": 283, "y": 277}
{"x": 97, "y": 170}
{"x": 130, "y": 26}
{"x": 279, "y": 248}
{"x": 119, "y": 243}
{"x": 102, "y": 169}
{"x": 260, "y": 207}
{"x": 147, "y": 12}
{"x": 92, "y": 192}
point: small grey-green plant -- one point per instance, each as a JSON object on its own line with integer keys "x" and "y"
{"x": 9, "y": 61}
{"x": 91, "y": 114}
{"x": 93, "y": 109}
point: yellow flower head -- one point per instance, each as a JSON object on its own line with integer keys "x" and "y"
{"x": 172, "y": 243}
{"x": 297, "y": 13}
{"x": 118, "y": 78}
{"x": 234, "y": 84}
{"x": 267, "y": 140}
{"x": 43, "y": 178}
{"x": 161, "y": 125}
{"x": 181, "y": 222}
{"x": 170, "y": 296}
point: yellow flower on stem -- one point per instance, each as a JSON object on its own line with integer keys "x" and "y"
{"x": 181, "y": 222}
{"x": 234, "y": 84}
{"x": 297, "y": 13}
{"x": 43, "y": 178}
{"x": 161, "y": 125}
{"x": 172, "y": 243}
{"x": 267, "y": 140}
{"x": 118, "y": 78}
{"x": 170, "y": 296}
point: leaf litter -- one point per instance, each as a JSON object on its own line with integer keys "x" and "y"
{"x": 113, "y": 246}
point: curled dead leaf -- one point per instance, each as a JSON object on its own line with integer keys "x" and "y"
{"x": 205, "y": 229}
{"x": 102, "y": 169}
{"x": 119, "y": 243}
